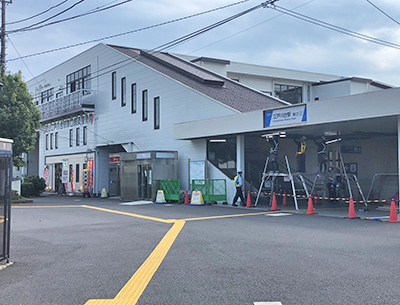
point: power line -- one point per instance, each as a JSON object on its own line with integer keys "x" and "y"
{"x": 383, "y": 12}
{"x": 335, "y": 28}
{"x": 246, "y": 29}
{"x": 130, "y": 32}
{"x": 37, "y": 15}
{"x": 208, "y": 28}
{"x": 97, "y": 10}
{"x": 32, "y": 27}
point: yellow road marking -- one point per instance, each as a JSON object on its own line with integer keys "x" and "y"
{"x": 46, "y": 206}
{"x": 132, "y": 290}
{"x": 130, "y": 214}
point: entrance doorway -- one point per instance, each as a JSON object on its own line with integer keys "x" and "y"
{"x": 115, "y": 179}
{"x": 144, "y": 181}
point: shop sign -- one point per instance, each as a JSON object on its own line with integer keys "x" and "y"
{"x": 350, "y": 149}
{"x": 115, "y": 159}
{"x": 285, "y": 116}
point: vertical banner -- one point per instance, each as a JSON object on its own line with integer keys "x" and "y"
{"x": 90, "y": 168}
{"x": 65, "y": 172}
{"x": 72, "y": 179}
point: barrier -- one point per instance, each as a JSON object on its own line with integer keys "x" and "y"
{"x": 171, "y": 188}
{"x": 211, "y": 189}
{"x": 104, "y": 193}
{"x": 197, "y": 198}
{"x": 310, "y": 209}
{"x": 248, "y": 204}
{"x": 160, "y": 197}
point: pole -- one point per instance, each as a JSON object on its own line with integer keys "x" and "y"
{"x": 292, "y": 182}
{"x": 3, "y": 38}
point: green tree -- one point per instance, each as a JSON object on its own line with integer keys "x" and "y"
{"x": 19, "y": 117}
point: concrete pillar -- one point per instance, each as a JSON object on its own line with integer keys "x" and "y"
{"x": 398, "y": 150}
{"x": 240, "y": 153}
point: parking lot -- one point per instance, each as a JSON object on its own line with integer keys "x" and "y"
{"x": 71, "y": 250}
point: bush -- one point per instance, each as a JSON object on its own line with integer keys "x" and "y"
{"x": 15, "y": 195}
{"x": 33, "y": 186}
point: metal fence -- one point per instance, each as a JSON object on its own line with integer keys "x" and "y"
{"x": 5, "y": 204}
{"x": 211, "y": 189}
{"x": 171, "y": 188}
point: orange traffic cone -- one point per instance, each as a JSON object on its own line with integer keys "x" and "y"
{"x": 352, "y": 212}
{"x": 284, "y": 199}
{"x": 274, "y": 206}
{"x": 186, "y": 197}
{"x": 310, "y": 209}
{"x": 393, "y": 214}
{"x": 248, "y": 205}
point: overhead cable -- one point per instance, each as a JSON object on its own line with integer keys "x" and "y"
{"x": 335, "y": 28}
{"x": 32, "y": 27}
{"x": 383, "y": 12}
{"x": 37, "y": 15}
{"x": 129, "y": 32}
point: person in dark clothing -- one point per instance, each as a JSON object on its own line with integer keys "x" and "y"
{"x": 322, "y": 155}
{"x": 301, "y": 154}
{"x": 238, "y": 180}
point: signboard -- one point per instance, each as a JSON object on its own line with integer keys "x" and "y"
{"x": 350, "y": 149}
{"x": 285, "y": 116}
{"x": 351, "y": 168}
{"x": 115, "y": 159}
{"x": 197, "y": 170}
{"x": 65, "y": 172}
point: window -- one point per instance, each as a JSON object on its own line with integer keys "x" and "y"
{"x": 77, "y": 137}
{"x": 56, "y": 140}
{"x": 157, "y": 112}
{"x": 70, "y": 137}
{"x": 144, "y": 105}
{"x": 84, "y": 135}
{"x": 79, "y": 80}
{"x": 114, "y": 85}
{"x": 77, "y": 173}
{"x": 133, "y": 98}
{"x": 47, "y": 142}
{"x": 47, "y": 96}
{"x": 51, "y": 141}
{"x": 123, "y": 92}
{"x": 222, "y": 153}
{"x": 289, "y": 94}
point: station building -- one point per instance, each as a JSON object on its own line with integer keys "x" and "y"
{"x": 130, "y": 117}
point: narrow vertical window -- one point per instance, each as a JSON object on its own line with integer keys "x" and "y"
{"x": 56, "y": 140}
{"x": 77, "y": 137}
{"x": 77, "y": 173}
{"x": 51, "y": 141}
{"x": 157, "y": 112}
{"x": 84, "y": 135}
{"x": 144, "y": 105}
{"x": 133, "y": 98}
{"x": 47, "y": 142}
{"x": 70, "y": 138}
{"x": 123, "y": 91}
{"x": 114, "y": 85}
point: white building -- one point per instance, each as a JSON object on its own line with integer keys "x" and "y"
{"x": 111, "y": 100}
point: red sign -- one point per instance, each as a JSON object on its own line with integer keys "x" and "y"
{"x": 114, "y": 159}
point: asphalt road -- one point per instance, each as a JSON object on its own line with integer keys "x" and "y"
{"x": 64, "y": 251}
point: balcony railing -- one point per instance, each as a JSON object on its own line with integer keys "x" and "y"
{"x": 68, "y": 104}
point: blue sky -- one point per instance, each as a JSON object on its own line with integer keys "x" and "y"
{"x": 263, "y": 36}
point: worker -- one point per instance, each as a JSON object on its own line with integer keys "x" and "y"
{"x": 301, "y": 154}
{"x": 322, "y": 156}
{"x": 238, "y": 181}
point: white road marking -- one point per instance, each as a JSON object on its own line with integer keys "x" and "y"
{"x": 267, "y": 303}
{"x": 136, "y": 202}
{"x": 279, "y": 214}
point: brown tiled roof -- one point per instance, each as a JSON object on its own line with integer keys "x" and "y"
{"x": 221, "y": 89}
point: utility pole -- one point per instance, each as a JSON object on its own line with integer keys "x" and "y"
{"x": 3, "y": 36}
